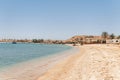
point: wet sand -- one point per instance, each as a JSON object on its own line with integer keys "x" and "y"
{"x": 94, "y": 62}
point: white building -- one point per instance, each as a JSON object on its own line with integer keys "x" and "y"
{"x": 113, "y": 41}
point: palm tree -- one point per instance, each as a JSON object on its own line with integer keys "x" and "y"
{"x": 112, "y": 36}
{"x": 104, "y": 35}
{"x": 34, "y": 40}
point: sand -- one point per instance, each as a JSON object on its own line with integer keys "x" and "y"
{"x": 93, "y": 62}
{"x": 87, "y": 62}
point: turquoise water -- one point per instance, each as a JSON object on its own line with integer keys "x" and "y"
{"x": 11, "y": 54}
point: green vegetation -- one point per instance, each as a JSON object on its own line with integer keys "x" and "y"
{"x": 112, "y": 36}
{"x": 105, "y": 35}
{"x": 38, "y": 40}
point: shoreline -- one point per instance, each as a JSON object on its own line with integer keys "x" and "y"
{"x": 63, "y": 67}
{"x": 31, "y": 70}
{"x": 93, "y": 62}
{"x": 87, "y": 62}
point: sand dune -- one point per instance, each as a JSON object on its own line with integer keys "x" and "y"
{"x": 94, "y": 62}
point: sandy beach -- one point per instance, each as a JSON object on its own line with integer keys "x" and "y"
{"x": 93, "y": 62}
{"x": 59, "y": 39}
{"x": 87, "y": 62}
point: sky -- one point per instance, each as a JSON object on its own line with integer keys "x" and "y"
{"x": 58, "y": 19}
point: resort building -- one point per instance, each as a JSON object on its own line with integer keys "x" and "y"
{"x": 113, "y": 41}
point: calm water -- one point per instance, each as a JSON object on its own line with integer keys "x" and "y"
{"x": 15, "y": 53}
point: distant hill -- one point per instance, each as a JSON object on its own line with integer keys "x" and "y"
{"x": 84, "y": 38}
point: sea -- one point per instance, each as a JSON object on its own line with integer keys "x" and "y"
{"x": 11, "y": 54}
